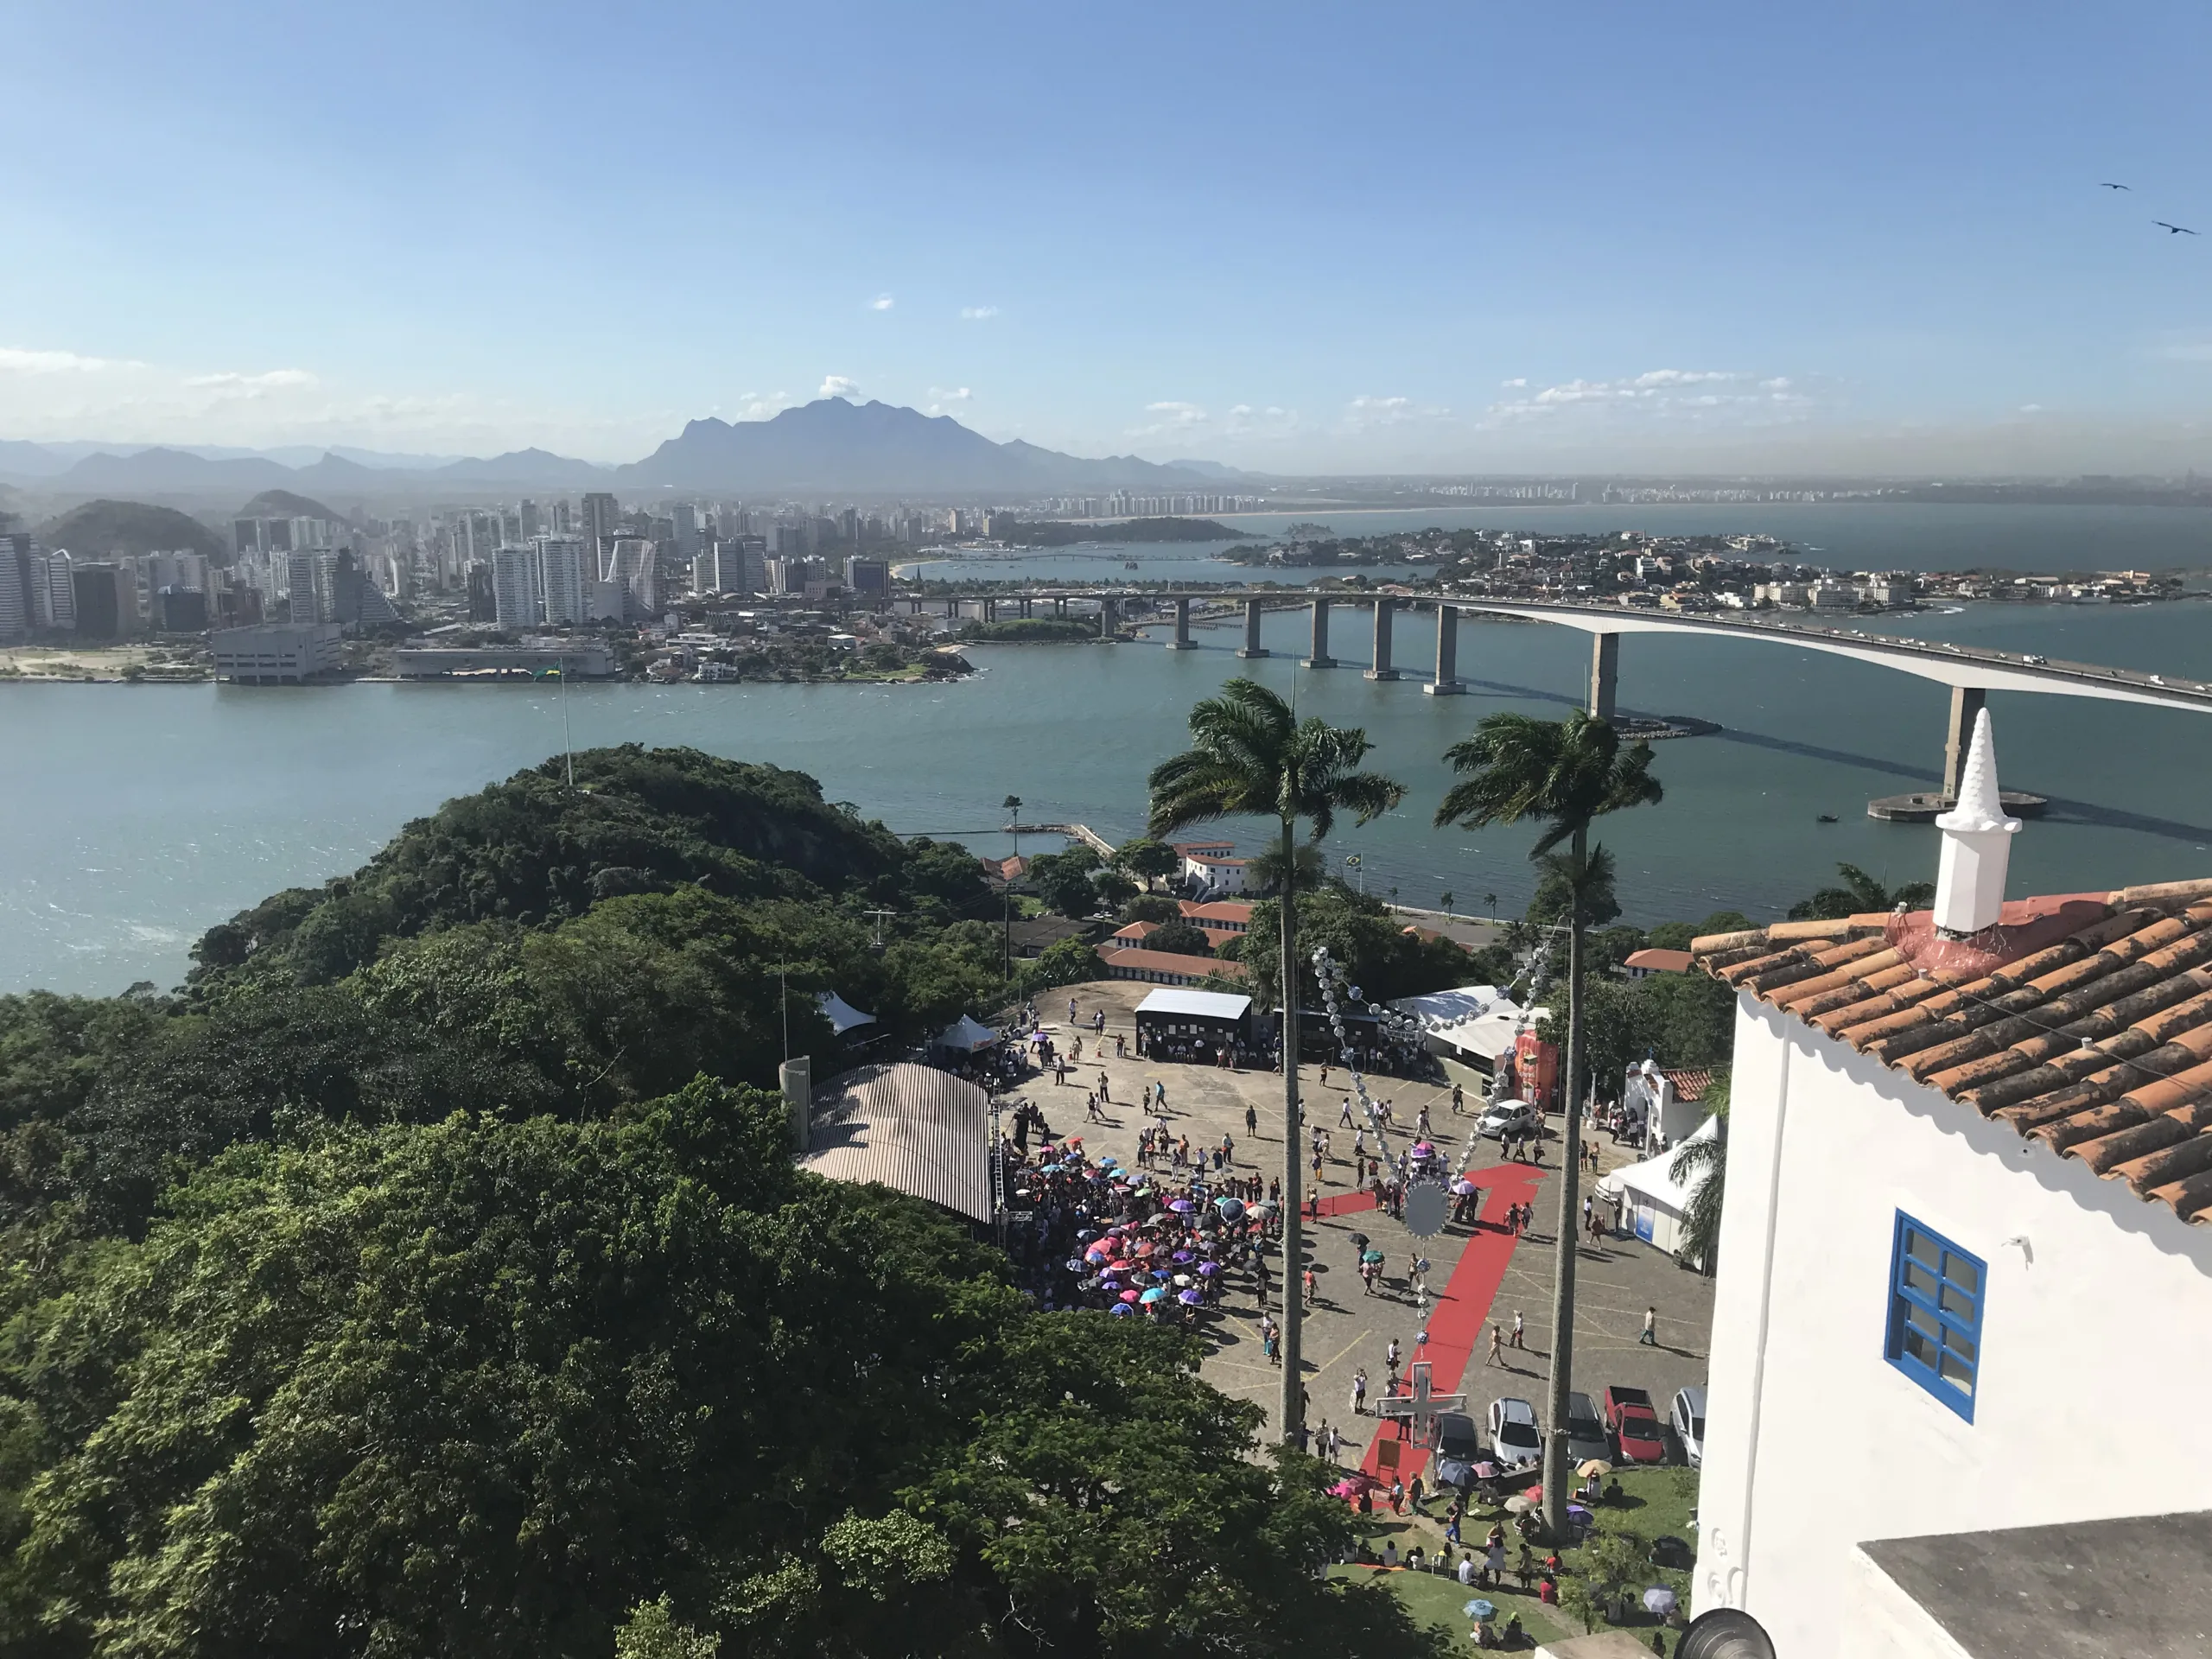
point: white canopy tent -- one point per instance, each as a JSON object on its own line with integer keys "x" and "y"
{"x": 843, "y": 1016}
{"x": 1652, "y": 1202}
{"x": 964, "y": 1036}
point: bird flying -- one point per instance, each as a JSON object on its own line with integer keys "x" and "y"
{"x": 2173, "y": 230}
{"x": 2107, "y": 184}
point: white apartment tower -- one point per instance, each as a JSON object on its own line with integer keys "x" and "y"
{"x": 565, "y": 574}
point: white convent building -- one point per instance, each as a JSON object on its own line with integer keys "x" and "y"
{"x": 1962, "y": 1336}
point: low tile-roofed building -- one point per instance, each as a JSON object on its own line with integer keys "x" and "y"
{"x": 1166, "y": 967}
{"x": 2083, "y": 1021}
{"x": 1218, "y": 916}
{"x": 1130, "y": 938}
{"x": 1655, "y": 959}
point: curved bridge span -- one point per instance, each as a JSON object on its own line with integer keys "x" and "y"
{"x": 1971, "y": 673}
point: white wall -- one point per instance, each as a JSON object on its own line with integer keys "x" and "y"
{"x": 2094, "y": 1352}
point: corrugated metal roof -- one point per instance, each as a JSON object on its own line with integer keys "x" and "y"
{"x": 1207, "y": 1005}
{"x": 912, "y": 1128}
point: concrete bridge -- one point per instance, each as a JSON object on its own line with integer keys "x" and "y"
{"x": 1972, "y": 674}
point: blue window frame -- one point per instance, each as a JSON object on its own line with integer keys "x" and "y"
{"x": 1935, "y": 1302}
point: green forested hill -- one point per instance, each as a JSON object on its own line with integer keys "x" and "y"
{"x": 98, "y": 529}
{"x": 429, "y": 1276}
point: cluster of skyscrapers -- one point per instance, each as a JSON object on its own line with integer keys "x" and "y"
{"x": 50, "y": 591}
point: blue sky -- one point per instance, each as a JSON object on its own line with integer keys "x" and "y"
{"x": 1451, "y": 237}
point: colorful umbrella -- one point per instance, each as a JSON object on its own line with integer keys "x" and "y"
{"x": 1155, "y": 1294}
{"x": 1185, "y": 1255}
{"x": 1519, "y": 1506}
{"x": 1230, "y": 1208}
{"x": 1370, "y": 1256}
{"x": 1589, "y": 1466}
{"x": 1190, "y": 1299}
{"x": 1485, "y": 1470}
{"x": 1348, "y": 1487}
{"x": 1479, "y": 1609}
{"x": 1209, "y": 1268}
{"x": 1182, "y": 1206}
{"x": 1121, "y": 1308}
{"x": 1128, "y": 1295}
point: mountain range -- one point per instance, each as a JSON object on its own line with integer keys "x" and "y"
{"x": 827, "y": 447}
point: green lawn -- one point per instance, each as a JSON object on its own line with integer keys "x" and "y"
{"x": 1656, "y": 1503}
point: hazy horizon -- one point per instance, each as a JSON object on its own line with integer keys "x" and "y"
{"x": 1736, "y": 243}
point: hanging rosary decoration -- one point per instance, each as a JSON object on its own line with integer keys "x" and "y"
{"x": 1427, "y": 1198}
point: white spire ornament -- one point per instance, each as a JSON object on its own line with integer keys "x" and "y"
{"x": 1977, "y": 844}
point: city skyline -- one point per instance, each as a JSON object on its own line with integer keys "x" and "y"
{"x": 1460, "y": 243}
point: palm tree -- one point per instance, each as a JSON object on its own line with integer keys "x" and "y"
{"x": 1250, "y": 755}
{"x": 1698, "y": 1238}
{"x": 1444, "y": 904}
{"x": 1564, "y": 774}
{"x": 1264, "y": 873}
{"x": 1489, "y": 905}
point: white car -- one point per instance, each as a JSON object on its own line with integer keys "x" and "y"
{"x": 1686, "y": 1418}
{"x": 1514, "y": 1442}
{"x": 1506, "y": 1118}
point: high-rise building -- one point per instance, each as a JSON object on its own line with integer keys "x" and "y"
{"x": 15, "y": 578}
{"x": 514, "y": 587}
{"x": 180, "y": 610}
{"x": 868, "y": 578}
{"x": 54, "y": 598}
{"x": 634, "y": 565}
{"x": 103, "y": 611}
{"x": 308, "y": 598}
{"x": 482, "y": 605}
{"x": 601, "y": 521}
{"x": 564, "y": 578}
{"x": 686, "y": 518}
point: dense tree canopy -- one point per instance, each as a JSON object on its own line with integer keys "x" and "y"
{"x": 431, "y": 1277}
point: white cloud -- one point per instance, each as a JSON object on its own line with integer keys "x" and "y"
{"x": 836, "y": 385}
{"x": 978, "y": 313}
{"x": 952, "y": 395}
{"x": 273, "y": 380}
{"x": 2030, "y": 409}
{"x": 1171, "y": 416}
{"x": 1508, "y": 385}
{"x": 1241, "y": 409}
{"x": 881, "y": 302}
{"x": 15, "y": 361}
{"x": 1685, "y": 393}
{"x": 1363, "y": 413}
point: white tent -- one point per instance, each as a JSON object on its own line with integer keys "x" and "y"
{"x": 842, "y": 1015}
{"x": 964, "y": 1036}
{"x": 1440, "y": 1009}
{"x": 1652, "y": 1202}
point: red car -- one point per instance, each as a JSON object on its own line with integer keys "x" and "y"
{"x": 1635, "y": 1425}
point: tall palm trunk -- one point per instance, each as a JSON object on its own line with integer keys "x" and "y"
{"x": 1556, "y": 1470}
{"x": 1294, "y": 1225}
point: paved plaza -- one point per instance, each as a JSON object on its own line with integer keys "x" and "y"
{"x": 1476, "y": 1276}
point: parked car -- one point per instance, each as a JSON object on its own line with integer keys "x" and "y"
{"x": 1506, "y": 1118}
{"x": 1458, "y": 1438}
{"x": 1513, "y": 1437}
{"x": 1686, "y": 1418}
{"x": 1635, "y": 1425}
{"x": 1586, "y": 1430}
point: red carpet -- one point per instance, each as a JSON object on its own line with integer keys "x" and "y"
{"x": 1459, "y": 1323}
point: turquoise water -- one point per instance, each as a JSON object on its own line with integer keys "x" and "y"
{"x": 134, "y": 816}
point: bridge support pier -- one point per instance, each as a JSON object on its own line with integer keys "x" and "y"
{"x": 1182, "y": 640}
{"x": 1385, "y": 610}
{"x": 952, "y": 608}
{"x": 1447, "y": 682}
{"x": 1252, "y": 646}
{"x": 1967, "y": 703}
{"x": 1109, "y": 617}
{"x": 1059, "y": 607}
{"x": 1319, "y": 657}
{"x": 1605, "y": 674}
{"x": 1025, "y": 608}
{"x": 990, "y": 610}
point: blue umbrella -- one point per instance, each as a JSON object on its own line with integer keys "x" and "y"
{"x": 1121, "y": 1308}
{"x": 1479, "y": 1609}
{"x": 1154, "y": 1294}
{"x": 1230, "y": 1207}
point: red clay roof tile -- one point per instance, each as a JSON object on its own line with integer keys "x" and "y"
{"x": 2080, "y": 1021}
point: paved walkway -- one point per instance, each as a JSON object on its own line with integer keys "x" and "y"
{"x": 1476, "y": 1276}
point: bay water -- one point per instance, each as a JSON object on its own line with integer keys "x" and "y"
{"x": 133, "y": 818}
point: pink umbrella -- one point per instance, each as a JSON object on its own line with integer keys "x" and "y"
{"x": 1128, "y": 1295}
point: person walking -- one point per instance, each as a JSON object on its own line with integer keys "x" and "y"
{"x": 1252, "y": 1120}
{"x": 1459, "y": 1100}
{"x": 1650, "y": 1337}
{"x": 1359, "y": 1392}
{"x": 1344, "y": 1118}
{"x": 1518, "y": 1342}
{"x": 1313, "y": 1289}
{"x": 1104, "y": 1093}
{"x": 1397, "y": 1496}
{"x": 1496, "y": 1347}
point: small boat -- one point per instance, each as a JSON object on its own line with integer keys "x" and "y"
{"x": 1128, "y": 565}
{"x": 1825, "y": 817}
